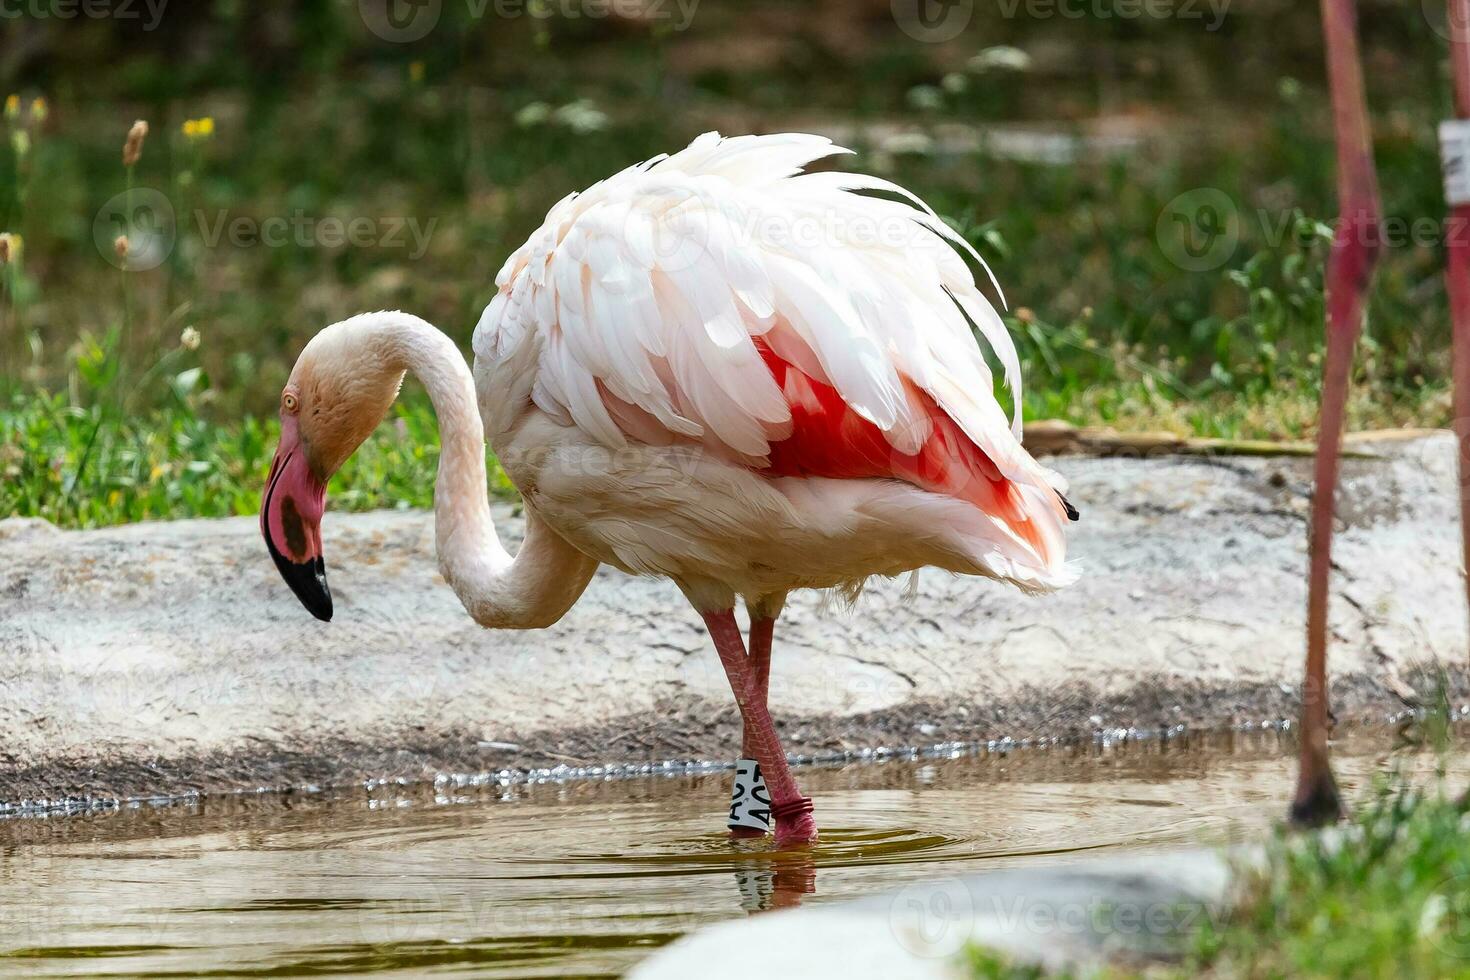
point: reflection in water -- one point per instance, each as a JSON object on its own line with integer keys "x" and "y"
{"x": 584, "y": 878}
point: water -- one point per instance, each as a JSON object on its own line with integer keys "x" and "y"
{"x": 582, "y": 878}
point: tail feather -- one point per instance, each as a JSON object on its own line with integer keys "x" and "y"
{"x": 827, "y": 438}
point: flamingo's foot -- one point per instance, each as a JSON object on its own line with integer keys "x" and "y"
{"x": 794, "y": 822}
{"x": 1318, "y": 803}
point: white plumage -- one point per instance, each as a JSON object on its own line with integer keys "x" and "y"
{"x": 645, "y": 298}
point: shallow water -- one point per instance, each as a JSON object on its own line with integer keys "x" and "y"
{"x": 582, "y": 878}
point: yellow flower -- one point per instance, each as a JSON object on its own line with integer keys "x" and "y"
{"x": 39, "y": 110}
{"x": 199, "y": 129}
{"x": 12, "y": 106}
{"x": 416, "y": 71}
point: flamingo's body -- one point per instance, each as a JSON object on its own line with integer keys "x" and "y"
{"x": 713, "y": 368}
{"x": 764, "y": 414}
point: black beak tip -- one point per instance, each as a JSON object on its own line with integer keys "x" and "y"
{"x": 308, "y": 579}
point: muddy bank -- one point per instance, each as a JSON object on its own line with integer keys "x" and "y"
{"x": 161, "y": 658}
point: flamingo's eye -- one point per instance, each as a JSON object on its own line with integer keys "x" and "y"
{"x": 289, "y": 403}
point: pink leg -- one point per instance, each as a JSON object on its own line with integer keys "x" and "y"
{"x": 762, "y": 632}
{"x": 1458, "y": 273}
{"x": 794, "y": 823}
{"x": 1349, "y": 272}
{"x": 758, "y": 661}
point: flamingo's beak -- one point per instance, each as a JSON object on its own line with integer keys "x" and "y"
{"x": 291, "y": 522}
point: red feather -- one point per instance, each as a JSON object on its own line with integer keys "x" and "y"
{"x": 829, "y": 439}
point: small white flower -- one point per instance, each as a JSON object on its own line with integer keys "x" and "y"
{"x": 925, "y": 98}
{"x": 533, "y": 114}
{"x": 581, "y": 116}
{"x": 954, "y": 83}
{"x": 189, "y": 339}
{"x": 1002, "y": 57}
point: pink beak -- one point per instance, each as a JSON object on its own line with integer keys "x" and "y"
{"x": 291, "y": 523}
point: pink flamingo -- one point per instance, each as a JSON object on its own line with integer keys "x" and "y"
{"x": 712, "y": 367}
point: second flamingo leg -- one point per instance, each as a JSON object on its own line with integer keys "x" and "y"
{"x": 1349, "y": 272}
{"x": 793, "y": 812}
{"x": 763, "y": 613}
{"x": 762, "y": 626}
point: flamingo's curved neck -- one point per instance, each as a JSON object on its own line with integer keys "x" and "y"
{"x": 538, "y": 585}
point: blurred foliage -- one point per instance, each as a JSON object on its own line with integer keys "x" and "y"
{"x": 1057, "y": 144}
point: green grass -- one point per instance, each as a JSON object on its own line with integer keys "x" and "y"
{"x": 325, "y": 121}
{"x": 93, "y": 466}
{"x": 1386, "y": 895}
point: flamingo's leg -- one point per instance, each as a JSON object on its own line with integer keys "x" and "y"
{"x": 1349, "y": 271}
{"x": 793, "y": 812}
{"x": 1457, "y": 275}
{"x": 762, "y": 632}
{"x": 758, "y": 661}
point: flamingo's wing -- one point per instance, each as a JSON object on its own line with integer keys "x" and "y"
{"x": 780, "y": 318}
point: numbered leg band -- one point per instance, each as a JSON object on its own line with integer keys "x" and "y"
{"x": 750, "y": 803}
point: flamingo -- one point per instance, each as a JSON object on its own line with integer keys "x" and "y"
{"x": 713, "y": 367}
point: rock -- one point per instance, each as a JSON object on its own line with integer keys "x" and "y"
{"x": 1067, "y": 917}
{"x": 16, "y": 529}
{"x": 158, "y": 657}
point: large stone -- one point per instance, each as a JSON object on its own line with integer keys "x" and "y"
{"x": 1078, "y": 915}
{"x": 164, "y": 657}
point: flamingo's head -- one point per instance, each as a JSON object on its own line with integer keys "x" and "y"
{"x": 340, "y": 389}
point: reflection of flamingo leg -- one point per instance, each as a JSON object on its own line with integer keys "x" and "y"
{"x": 1349, "y": 271}
{"x": 1457, "y": 272}
{"x": 779, "y": 883}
